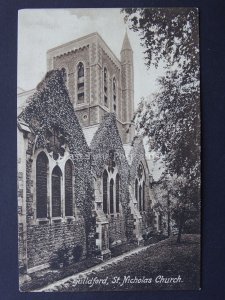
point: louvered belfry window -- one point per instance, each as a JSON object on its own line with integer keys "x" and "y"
{"x": 68, "y": 188}
{"x": 105, "y": 87}
{"x": 41, "y": 185}
{"x": 80, "y": 83}
{"x": 56, "y": 192}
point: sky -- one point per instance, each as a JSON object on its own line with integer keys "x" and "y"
{"x": 43, "y": 29}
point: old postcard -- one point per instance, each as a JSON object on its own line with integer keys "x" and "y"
{"x": 108, "y": 149}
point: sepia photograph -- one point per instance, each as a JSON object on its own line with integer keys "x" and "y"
{"x": 108, "y": 149}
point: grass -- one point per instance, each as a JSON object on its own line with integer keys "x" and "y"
{"x": 123, "y": 248}
{"x": 166, "y": 258}
{"x": 40, "y": 278}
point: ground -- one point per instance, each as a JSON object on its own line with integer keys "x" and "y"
{"x": 165, "y": 265}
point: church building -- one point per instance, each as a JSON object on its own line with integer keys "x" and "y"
{"x": 83, "y": 178}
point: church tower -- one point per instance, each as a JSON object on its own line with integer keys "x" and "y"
{"x": 127, "y": 85}
{"x": 98, "y": 82}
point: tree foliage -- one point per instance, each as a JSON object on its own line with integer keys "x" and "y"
{"x": 171, "y": 120}
{"x": 168, "y": 34}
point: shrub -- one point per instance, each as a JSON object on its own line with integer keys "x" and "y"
{"x": 77, "y": 253}
{"x": 60, "y": 257}
{"x": 96, "y": 252}
{"x": 147, "y": 235}
{"x": 192, "y": 226}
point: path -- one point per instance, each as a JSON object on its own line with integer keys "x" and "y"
{"x": 91, "y": 271}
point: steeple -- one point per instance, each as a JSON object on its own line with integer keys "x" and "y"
{"x": 126, "y": 43}
{"x": 127, "y": 85}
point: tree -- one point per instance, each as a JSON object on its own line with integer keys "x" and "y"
{"x": 168, "y": 34}
{"x": 171, "y": 120}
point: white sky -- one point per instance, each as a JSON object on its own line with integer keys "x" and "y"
{"x": 42, "y": 29}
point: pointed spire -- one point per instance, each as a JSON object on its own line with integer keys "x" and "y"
{"x": 126, "y": 43}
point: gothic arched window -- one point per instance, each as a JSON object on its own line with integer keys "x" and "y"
{"x": 80, "y": 83}
{"x": 56, "y": 192}
{"x": 111, "y": 196}
{"x": 136, "y": 190}
{"x": 114, "y": 94}
{"x": 41, "y": 185}
{"x": 143, "y": 198}
{"x": 140, "y": 187}
{"x": 105, "y": 76}
{"x": 140, "y": 198}
{"x": 68, "y": 188}
{"x": 80, "y": 70}
{"x": 105, "y": 192}
{"x": 117, "y": 193}
{"x": 159, "y": 221}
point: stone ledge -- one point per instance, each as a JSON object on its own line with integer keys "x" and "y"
{"x": 38, "y": 268}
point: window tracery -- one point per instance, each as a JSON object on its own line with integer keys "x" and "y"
{"x": 68, "y": 188}
{"x": 56, "y": 192}
{"x": 111, "y": 186}
{"x": 140, "y": 188}
{"x": 54, "y": 189}
{"x": 55, "y": 143}
{"x": 41, "y": 185}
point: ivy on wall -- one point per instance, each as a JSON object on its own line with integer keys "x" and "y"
{"x": 49, "y": 108}
{"x": 105, "y": 141}
{"x": 138, "y": 157}
{"x": 137, "y": 154}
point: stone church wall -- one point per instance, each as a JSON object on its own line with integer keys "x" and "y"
{"x": 117, "y": 231}
{"x": 70, "y": 61}
{"x": 83, "y": 116}
{"x": 21, "y": 197}
{"x": 113, "y": 71}
{"x": 95, "y": 73}
{"x": 94, "y": 119}
{"x": 44, "y": 240}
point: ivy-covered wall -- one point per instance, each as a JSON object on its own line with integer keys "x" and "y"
{"x": 44, "y": 240}
{"x": 105, "y": 141}
{"x": 50, "y": 107}
{"x": 138, "y": 158}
